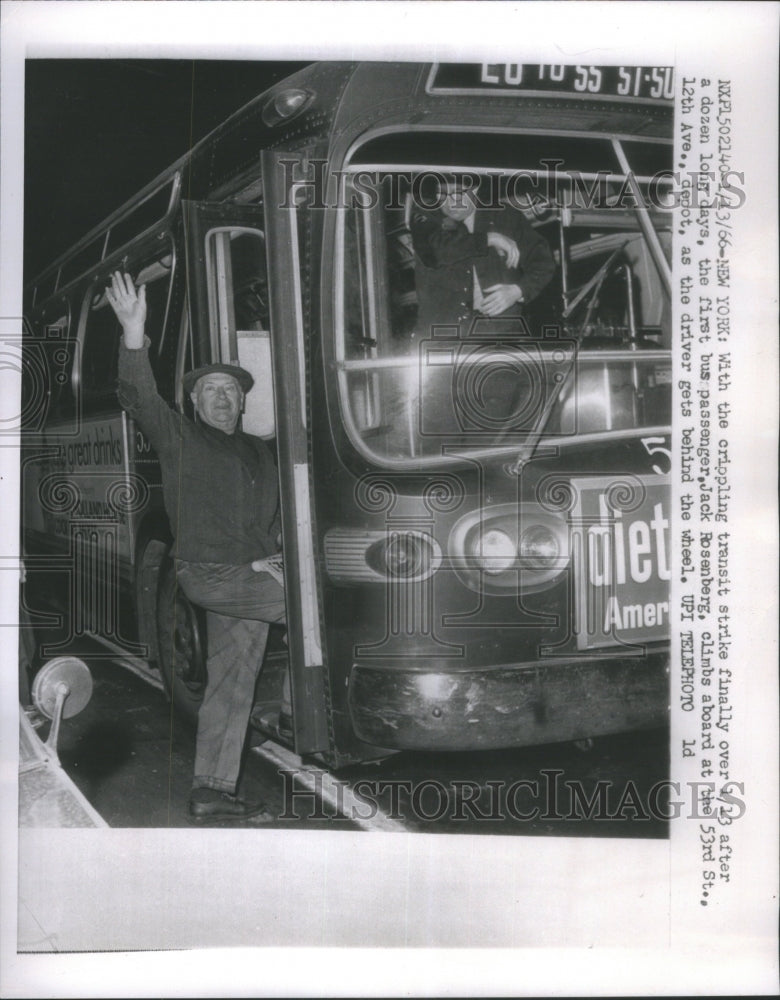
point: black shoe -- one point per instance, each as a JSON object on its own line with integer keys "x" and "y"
{"x": 211, "y": 804}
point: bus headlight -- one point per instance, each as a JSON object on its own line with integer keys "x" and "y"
{"x": 403, "y": 555}
{"x": 357, "y": 555}
{"x": 512, "y": 547}
{"x": 494, "y": 551}
{"x": 539, "y": 548}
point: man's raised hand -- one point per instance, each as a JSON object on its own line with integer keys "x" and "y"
{"x": 129, "y": 306}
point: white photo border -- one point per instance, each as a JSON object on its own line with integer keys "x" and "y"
{"x": 570, "y": 917}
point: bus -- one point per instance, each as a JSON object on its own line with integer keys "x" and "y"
{"x": 475, "y": 521}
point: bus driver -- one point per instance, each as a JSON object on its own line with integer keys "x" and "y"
{"x": 473, "y": 261}
{"x": 222, "y": 499}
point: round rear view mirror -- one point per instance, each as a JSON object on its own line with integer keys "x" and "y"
{"x": 65, "y": 675}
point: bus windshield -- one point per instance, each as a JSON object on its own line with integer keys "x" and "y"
{"x": 590, "y": 352}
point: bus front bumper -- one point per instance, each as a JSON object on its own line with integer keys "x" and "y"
{"x": 418, "y": 707}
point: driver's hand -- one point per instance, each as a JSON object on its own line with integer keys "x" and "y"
{"x": 498, "y": 298}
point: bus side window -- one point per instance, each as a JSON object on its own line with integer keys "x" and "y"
{"x": 239, "y": 314}
{"x": 100, "y": 348}
{"x": 380, "y": 307}
{"x": 359, "y": 316}
{"x": 360, "y": 326}
{"x": 401, "y": 279}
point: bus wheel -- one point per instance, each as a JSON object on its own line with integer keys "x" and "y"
{"x": 181, "y": 630}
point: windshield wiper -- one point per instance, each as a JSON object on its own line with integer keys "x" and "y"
{"x": 528, "y": 447}
{"x": 595, "y": 283}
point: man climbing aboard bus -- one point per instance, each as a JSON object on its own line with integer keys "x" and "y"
{"x": 221, "y": 495}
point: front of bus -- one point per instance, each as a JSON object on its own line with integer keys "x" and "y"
{"x": 494, "y": 528}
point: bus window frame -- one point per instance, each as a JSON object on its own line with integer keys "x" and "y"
{"x": 343, "y": 366}
{"x": 219, "y": 279}
{"x": 149, "y": 255}
{"x": 81, "y": 327}
{"x": 199, "y": 218}
{"x": 184, "y": 362}
{"x": 476, "y": 128}
{"x": 162, "y": 226}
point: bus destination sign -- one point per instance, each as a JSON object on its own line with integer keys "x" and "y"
{"x": 639, "y": 83}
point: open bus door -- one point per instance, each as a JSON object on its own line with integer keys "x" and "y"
{"x": 245, "y": 307}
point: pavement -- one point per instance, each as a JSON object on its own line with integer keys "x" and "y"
{"x": 132, "y": 758}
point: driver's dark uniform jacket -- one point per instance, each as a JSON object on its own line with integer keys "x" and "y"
{"x": 222, "y": 499}
{"x": 450, "y": 260}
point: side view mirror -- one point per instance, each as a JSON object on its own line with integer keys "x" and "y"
{"x": 61, "y": 689}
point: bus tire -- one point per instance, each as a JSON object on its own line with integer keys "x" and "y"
{"x": 181, "y": 634}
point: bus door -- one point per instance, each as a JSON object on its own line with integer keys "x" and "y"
{"x": 245, "y": 307}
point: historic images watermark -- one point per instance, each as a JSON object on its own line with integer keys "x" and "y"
{"x": 552, "y": 183}
{"x": 525, "y": 800}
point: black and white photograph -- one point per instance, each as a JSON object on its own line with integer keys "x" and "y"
{"x": 380, "y": 561}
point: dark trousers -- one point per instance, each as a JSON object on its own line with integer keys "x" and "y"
{"x": 240, "y": 605}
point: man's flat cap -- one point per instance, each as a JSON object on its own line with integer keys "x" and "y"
{"x": 241, "y": 375}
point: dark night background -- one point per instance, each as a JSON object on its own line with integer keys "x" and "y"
{"x": 97, "y": 130}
